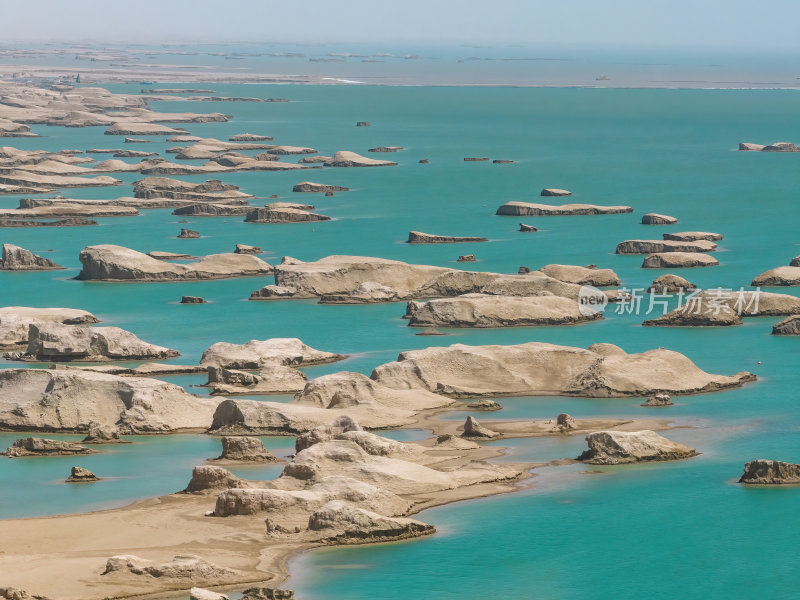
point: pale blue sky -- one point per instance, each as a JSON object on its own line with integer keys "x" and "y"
{"x": 684, "y": 23}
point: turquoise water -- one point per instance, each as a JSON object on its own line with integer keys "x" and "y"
{"x": 667, "y": 530}
{"x": 35, "y": 485}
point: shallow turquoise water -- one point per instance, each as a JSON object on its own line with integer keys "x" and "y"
{"x": 677, "y": 530}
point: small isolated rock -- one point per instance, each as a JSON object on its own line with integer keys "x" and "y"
{"x": 670, "y": 284}
{"x": 502, "y": 161}
{"x": 527, "y": 228}
{"x": 789, "y": 326}
{"x": 423, "y": 161}
{"x": 200, "y": 594}
{"x": 363, "y": 123}
{"x": 328, "y": 194}
{"x": 476, "y": 159}
{"x": 524, "y": 270}
{"x": 657, "y": 219}
{"x": 467, "y": 258}
{"x": 192, "y": 300}
{"x": 259, "y": 593}
{"x": 245, "y": 448}
{"x": 770, "y": 472}
{"x": 81, "y": 475}
{"x": 473, "y": 429}
{"x": 485, "y": 404}
{"x": 245, "y": 249}
{"x": 661, "y": 399}
{"x": 555, "y": 192}
{"x": 188, "y": 234}
{"x": 566, "y": 422}
{"x": 430, "y": 331}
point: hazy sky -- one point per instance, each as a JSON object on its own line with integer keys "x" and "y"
{"x": 729, "y": 23}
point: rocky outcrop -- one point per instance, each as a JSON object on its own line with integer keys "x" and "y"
{"x": 659, "y": 246}
{"x": 188, "y": 234}
{"x": 245, "y": 249}
{"x": 670, "y": 284}
{"x": 748, "y": 147}
{"x": 15, "y": 321}
{"x": 42, "y": 447}
{"x": 67, "y": 400}
{"x": 245, "y": 448}
{"x": 70, "y": 222}
{"x": 692, "y": 236}
{"x": 658, "y": 400}
{"x": 483, "y": 310}
{"x": 164, "y": 187}
{"x": 15, "y": 258}
{"x": 330, "y": 431}
{"x": 724, "y": 307}
{"x": 208, "y": 477}
{"x": 555, "y": 192}
{"x": 527, "y": 228}
{"x": 779, "y": 277}
{"x": 417, "y": 237}
{"x": 273, "y": 378}
{"x": 789, "y": 326}
{"x": 181, "y": 569}
{"x": 624, "y": 447}
{"x": 10, "y": 593}
{"x": 528, "y": 209}
{"x": 128, "y": 128}
{"x": 368, "y": 292}
{"x": 308, "y": 186}
{"x": 770, "y": 472}
{"x": 657, "y": 219}
{"x": 99, "y": 433}
{"x": 35, "y": 183}
{"x": 565, "y": 422}
{"x": 535, "y": 368}
{"x": 322, "y": 400}
{"x": 343, "y": 274}
{"x": 282, "y": 215}
{"x": 324, "y": 489}
{"x": 207, "y": 209}
{"x": 81, "y": 475}
{"x": 249, "y": 137}
{"x": 780, "y": 147}
{"x": 257, "y": 353}
{"x": 192, "y": 300}
{"x": 582, "y": 275}
{"x": 116, "y": 263}
{"x": 202, "y": 594}
{"x": 678, "y": 260}
{"x": 386, "y": 149}
{"x": 57, "y": 342}
{"x": 345, "y": 158}
{"x": 698, "y": 313}
{"x": 474, "y": 430}
{"x": 345, "y": 523}
{"x": 261, "y": 593}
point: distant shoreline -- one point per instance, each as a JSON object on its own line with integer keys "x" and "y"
{"x": 204, "y": 74}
